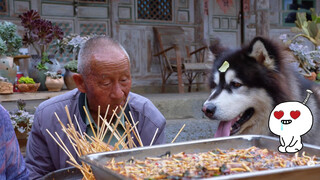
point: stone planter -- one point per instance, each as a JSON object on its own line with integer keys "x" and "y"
{"x": 8, "y": 68}
{"x": 311, "y": 77}
{"x": 22, "y": 138}
{"x": 38, "y": 75}
{"x": 6, "y": 88}
{"x": 54, "y": 84}
{"x": 68, "y": 80}
{"x": 28, "y": 87}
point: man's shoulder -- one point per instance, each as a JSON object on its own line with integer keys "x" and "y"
{"x": 64, "y": 99}
{"x": 145, "y": 107}
{"x": 138, "y": 101}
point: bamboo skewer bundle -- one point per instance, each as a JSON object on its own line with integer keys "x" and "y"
{"x": 84, "y": 144}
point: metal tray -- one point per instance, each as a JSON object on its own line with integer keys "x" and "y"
{"x": 98, "y": 161}
{"x": 70, "y": 173}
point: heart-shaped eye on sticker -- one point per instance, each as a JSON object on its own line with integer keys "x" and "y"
{"x": 278, "y": 114}
{"x": 295, "y": 114}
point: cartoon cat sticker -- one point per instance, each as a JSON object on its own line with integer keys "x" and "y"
{"x": 291, "y": 120}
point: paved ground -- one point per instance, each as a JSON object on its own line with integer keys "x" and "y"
{"x": 195, "y": 129}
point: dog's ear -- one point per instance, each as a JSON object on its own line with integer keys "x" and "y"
{"x": 216, "y": 49}
{"x": 263, "y": 51}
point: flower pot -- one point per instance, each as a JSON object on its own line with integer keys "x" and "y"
{"x": 6, "y": 88}
{"x": 54, "y": 84}
{"x": 38, "y": 75}
{"x": 22, "y": 139}
{"x": 8, "y": 68}
{"x": 68, "y": 80}
{"x": 28, "y": 87}
{"x": 311, "y": 77}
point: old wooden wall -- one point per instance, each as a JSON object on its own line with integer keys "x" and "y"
{"x": 117, "y": 19}
{"x": 202, "y": 20}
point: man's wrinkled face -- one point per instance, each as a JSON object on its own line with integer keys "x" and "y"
{"x": 109, "y": 82}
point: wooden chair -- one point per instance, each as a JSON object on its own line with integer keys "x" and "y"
{"x": 173, "y": 51}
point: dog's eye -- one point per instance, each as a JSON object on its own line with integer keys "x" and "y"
{"x": 235, "y": 84}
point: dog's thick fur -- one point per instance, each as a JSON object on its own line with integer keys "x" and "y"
{"x": 259, "y": 77}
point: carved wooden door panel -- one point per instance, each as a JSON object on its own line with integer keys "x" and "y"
{"x": 83, "y": 17}
{"x": 224, "y": 22}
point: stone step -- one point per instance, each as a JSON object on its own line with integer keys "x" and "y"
{"x": 179, "y": 106}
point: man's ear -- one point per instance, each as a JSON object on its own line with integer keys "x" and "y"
{"x": 263, "y": 52}
{"x": 78, "y": 79}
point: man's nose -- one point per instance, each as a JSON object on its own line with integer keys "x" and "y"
{"x": 117, "y": 91}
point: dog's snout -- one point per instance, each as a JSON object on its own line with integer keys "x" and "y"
{"x": 210, "y": 109}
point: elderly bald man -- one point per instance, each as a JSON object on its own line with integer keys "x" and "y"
{"x": 103, "y": 79}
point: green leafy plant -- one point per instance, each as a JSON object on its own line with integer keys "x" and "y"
{"x": 39, "y": 33}
{"x": 44, "y": 59}
{"x": 307, "y": 29}
{"x": 20, "y": 118}
{"x": 10, "y": 41}
{"x": 305, "y": 45}
{"x": 72, "y": 66}
{"x": 53, "y": 75}
{"x": 26, "y": 80}
{"x": 72, "y": 44}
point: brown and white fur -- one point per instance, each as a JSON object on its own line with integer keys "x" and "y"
{"x": 259, "y": 77}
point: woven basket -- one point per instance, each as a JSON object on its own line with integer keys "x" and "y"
{"x": 28, "y": 87}
{"x": 6, "y": 88}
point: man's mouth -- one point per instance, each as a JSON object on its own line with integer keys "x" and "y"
{"x": 227, "y": 128}
{"x": 286, "y": 121}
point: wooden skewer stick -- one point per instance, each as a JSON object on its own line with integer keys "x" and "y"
{"x": 68, "y": 114}
{"x": 102, "y": 134}
{"x": 85, "y": 110}
{"x": 98, "y": 128}
{"x": 71, "y": 157}
{"x": 71, "y": 124}
{"x": 139, "y": 140}
{"x": 154, "y": 136}
{"x": 75, "y": 117}
{"x": 134, "y": 132}
{"x": 178, "y": 133}
{"x": 125, "y": 134}
{"x": 84, "y": 144}
{"x": 129, "y": 135}
{"x": 57, "y": 142}
{"x": 114, "y": 132}
{"x": 119, "y": 117}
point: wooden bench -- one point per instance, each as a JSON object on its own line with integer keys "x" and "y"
{"x": 173, "y": 52}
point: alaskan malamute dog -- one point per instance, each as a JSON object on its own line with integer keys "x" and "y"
{"x": 259, "y": 77}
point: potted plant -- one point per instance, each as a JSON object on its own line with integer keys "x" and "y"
{"x": 22, "y": 122}
{"x": 5, "y": 86}
{"x": 54, "y": 81}
{"x": 27, "y": 84}
{"x": 305, "y": 44}
{"x": 71, "y": 67}
{"x": 71, "y": 44}
{"x": 39, "y": 34}
{"x": 10, "y": 43}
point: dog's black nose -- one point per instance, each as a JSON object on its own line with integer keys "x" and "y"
{"x": 210, "y": 109}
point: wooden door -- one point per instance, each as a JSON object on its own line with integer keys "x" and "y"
{"x": 224, "y": 22}
{"x": 83, "y": 17}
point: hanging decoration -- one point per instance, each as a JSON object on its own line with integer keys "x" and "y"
{"x": 225, "y": 5}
